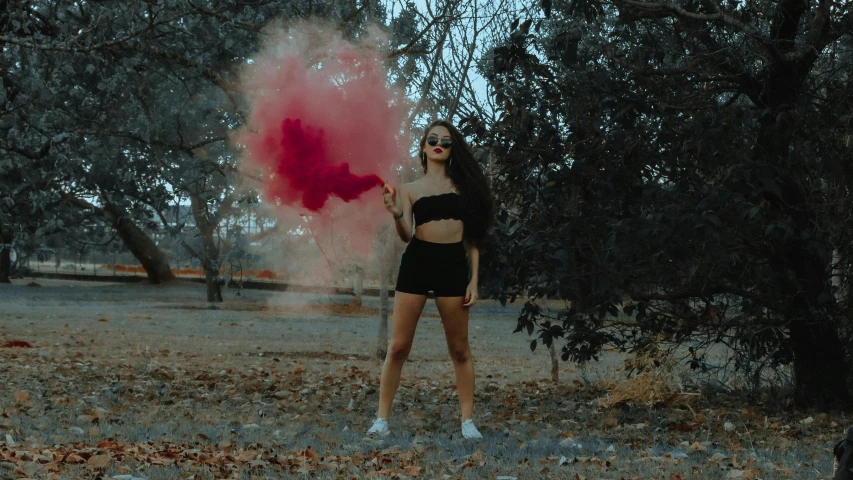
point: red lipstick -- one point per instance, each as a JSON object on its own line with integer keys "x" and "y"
{"x": 438, "y": 150}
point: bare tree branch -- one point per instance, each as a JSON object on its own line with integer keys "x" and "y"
{"x": 454, "y": 106}
{"x": 427, "y": 85}
{"x": 406, "y": 49}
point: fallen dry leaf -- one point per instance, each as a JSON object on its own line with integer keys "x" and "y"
{"x": 99, "y": 461}
{"x": 73, "y": 458}
{"x": 110, "y": 390}
{"x": 751, "y": 474}
{"x": 413, "y": 470}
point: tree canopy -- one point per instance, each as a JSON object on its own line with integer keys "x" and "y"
{"x": 680, "y": 174}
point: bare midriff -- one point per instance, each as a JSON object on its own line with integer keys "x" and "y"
{"x": 440, "y": 231}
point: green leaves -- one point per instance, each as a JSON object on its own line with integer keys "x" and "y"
{"x": 546, "y": 8}
{"x": 673, "y": 197}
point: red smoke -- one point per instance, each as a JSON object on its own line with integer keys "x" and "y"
{"x": 324, "y": 124}
{"x": 303, "y": 166}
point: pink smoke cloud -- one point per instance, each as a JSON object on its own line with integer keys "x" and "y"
{"x": 324, "y": 128}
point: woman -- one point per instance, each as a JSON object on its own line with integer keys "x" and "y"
{"x": 443, "y": 217}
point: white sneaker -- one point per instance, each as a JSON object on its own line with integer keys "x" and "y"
{"x": 470, "y": 431}
{"x": 379, "y": 428}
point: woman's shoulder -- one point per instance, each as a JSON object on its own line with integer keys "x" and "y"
{"x": 414, "y": 184}
{"x": 412, "y": 188}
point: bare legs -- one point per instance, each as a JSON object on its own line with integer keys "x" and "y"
{"x": 407, "y": 312}
{"x": 454, "y": 318}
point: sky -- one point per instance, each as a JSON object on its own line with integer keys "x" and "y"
{"x": 479, "y": 83}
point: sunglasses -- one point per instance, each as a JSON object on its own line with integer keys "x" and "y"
{"x": 446, "y": 143}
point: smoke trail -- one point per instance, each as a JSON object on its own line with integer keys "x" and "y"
{"x": 324, "y": 122}
{"x": 305, "y": 166}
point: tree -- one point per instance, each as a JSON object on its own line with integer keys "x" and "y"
{"x": 384, "y": 262}
{"x": 674, "y": 172}
{"x": 132, "y": 84}
{"x": 5, "y": 252}
{"x": 70, "y": 71}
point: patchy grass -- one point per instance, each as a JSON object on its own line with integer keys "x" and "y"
{"x": 168, "y": 393}
{"x": 347, "y": 309}
{"x": 279, "y": 417}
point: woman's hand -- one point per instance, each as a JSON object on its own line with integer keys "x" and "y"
{"x": 392, "y": 201}
{"x": 471, "y": 295}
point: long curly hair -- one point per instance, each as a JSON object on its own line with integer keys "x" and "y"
{"x": 469, "y": 179}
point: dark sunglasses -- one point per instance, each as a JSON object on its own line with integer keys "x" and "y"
{"x": 446, "y": 143}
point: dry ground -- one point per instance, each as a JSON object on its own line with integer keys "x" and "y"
{"x": 137, "y": 381}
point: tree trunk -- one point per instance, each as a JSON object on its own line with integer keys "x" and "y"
{"x": 552, "y": 350}
{"x": 819, "y": 368}
{"x": 382, "y": 340}
{"x": 385, "y": 258}
{"x": 358, "y": 286}
{"x": 213, "y": 288}
{"x": 141, "y": 245}
{"x": 839, "y": 273}
{"x": 6, "y": 238}
{"x": 209, "y": 254}
{"x": 820, "y": 372}
{"x": 211, "y": 268}
{"x": 555, "y": 364}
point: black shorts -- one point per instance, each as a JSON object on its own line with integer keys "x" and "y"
{"x": 438, "y": 267}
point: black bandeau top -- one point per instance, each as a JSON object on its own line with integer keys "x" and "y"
{"x": 437, "y": 207}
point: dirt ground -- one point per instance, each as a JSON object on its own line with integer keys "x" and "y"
{"x": 293, "y": 325}
{"x": 138, "y": 381}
